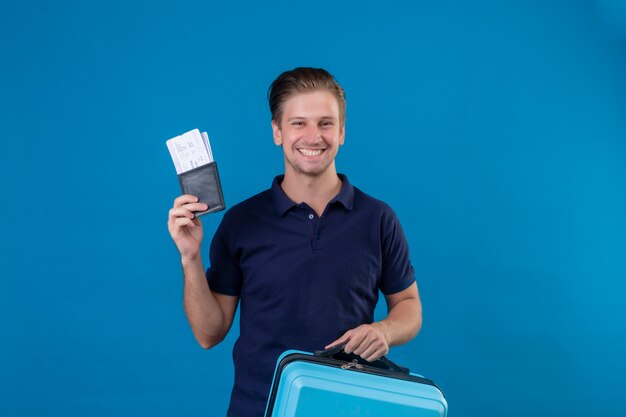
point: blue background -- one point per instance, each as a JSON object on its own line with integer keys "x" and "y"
{"x": 496, "y": 130}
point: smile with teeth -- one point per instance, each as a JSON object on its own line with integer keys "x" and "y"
{"x": 310, "y": 152}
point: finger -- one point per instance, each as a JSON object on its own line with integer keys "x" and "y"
{"x": 363, "y": 346}
{"x": 375, "y": 351}
{"x": 188, "y": 209}
{"x": 180, "y": 212}
{"x": 185, "y": 198}
{"x": 184, "y": 221}
{"x": 195, "y": 206}
{"x": 342, "y": 339}
{"x": 354, "y": 342}
{"x": 374, "y": 356}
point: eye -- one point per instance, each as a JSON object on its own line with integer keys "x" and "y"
{"x": 326, "y": 123}
{"x": 297, "y": 123}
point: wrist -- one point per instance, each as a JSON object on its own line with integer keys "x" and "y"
{"x": 383, "y": 327}
{"x": 191, "y": 260}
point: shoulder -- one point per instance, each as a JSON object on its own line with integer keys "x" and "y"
{"x": 364, "y": 201}
{"x": 242, "y": 213}
{"x": 237, "y": 225}
{"x": 258, "y": 201}
{"x": 380, "y": 216}
{"x": 242, "y": 219}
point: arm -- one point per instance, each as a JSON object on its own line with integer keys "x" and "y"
{"x": 209, "y": 314}
{"x": 403, "y": 322}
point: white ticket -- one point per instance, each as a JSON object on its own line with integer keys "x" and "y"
{"x": 205, "y": 137}
{"x": 190, "y": 150}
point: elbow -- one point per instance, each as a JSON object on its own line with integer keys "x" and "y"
{"x": 411, "y": 331}
{"x": 207, "y": 342}
{"x": 417, "y": 325}
{"x": 417, "y": 322}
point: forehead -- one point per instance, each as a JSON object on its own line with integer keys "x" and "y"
{"x": 311, "y": 104}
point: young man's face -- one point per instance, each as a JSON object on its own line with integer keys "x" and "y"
{"x": 310, "y": 132}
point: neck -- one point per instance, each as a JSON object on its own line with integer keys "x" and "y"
{"x": 316, "y": 191}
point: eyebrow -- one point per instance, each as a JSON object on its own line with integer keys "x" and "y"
{"x": 305, "y": 118}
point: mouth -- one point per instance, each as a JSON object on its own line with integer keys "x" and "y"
{"x": 310, "y": 152}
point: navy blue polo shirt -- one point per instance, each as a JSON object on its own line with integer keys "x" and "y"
{"x": 303, "y": 279}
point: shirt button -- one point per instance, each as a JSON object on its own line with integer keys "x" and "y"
{"x": 311, "y": 217}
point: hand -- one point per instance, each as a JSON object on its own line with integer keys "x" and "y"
{"x": 369, "y": 341}
{"x": 185, "y": 228}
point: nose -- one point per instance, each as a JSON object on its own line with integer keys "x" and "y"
{"x": 315, "y": 133}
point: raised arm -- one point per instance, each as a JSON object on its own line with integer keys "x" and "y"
{"x": 209, "y": 314}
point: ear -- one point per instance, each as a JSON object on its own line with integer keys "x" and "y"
{"x": 278, "y": 139}
{"x": 342, "y": 134}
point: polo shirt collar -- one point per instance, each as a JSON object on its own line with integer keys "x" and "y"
{"x": 346, "y": 194}
{"x": 282, "y": 203}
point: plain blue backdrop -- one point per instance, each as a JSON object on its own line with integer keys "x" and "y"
{"x": 496, "y": 130}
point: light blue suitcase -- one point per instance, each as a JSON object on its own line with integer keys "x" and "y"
{"x": 334, "y": 384}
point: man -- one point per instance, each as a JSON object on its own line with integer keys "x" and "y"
{"x": 305, "y": 258}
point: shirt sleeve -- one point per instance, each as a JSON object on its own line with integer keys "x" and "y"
{"x": 397, "y": 271}
{"x": 224, "y": 275}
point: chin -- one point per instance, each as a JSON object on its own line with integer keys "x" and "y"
{"x": 310, "y": 172}
{"x": 309, "y": 169}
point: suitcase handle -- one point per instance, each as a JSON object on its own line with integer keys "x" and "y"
{"x": 337, "y": 352}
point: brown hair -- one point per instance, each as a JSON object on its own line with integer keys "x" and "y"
{"x": 302, "y": 80}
